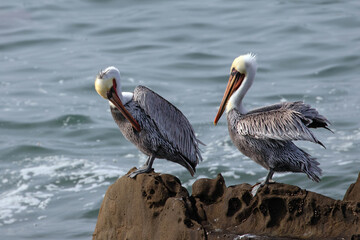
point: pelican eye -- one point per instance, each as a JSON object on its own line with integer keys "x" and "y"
{"x": 109, "y": 93}
{"x": 234, "y": 72}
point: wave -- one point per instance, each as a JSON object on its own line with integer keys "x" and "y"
{"x": 63, "y": 120}
{"x": 42, "y": 180}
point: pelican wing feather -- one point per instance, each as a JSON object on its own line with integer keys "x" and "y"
{"x": 284, "y": 121}
{"x": 172, "y": 124}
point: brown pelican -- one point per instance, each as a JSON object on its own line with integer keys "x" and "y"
{"x": 155, "y": 126}
{"x": 265, "y": 134}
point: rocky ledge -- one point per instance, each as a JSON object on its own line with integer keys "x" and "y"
{"x": 156, "y": 206}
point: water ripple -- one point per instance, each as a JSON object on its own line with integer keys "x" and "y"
{"x": 61, "y": 121}
{"x": 61, "y": 148}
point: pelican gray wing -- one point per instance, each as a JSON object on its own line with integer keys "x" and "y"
{"x": 285, "y": 121}
{"x": 315, "y": 119}
{"x": 170, "y": 121}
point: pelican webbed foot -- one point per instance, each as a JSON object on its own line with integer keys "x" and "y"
{"x": 140, "y": 171}
{"x": 268, "y": 180}
{"x": 144, "y": 169}
{"x": 257, "y": 186}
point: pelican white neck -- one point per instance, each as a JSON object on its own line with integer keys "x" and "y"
{"x": 125, "y": 97}
{"x": 246, "y": 63}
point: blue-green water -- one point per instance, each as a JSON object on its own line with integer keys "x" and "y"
{"x": 60, "y": 148}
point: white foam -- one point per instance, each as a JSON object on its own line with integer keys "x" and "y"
{"x": 344, "y": 142}
{"x": 230, "y": 174}
{"x": 27, "y": 195}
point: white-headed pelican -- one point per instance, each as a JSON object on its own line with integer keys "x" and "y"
{"x": 266, "y": 134}
{"x": 155, "y": 126}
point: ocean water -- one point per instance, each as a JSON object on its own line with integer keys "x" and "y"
{"x": 60, "y": 148}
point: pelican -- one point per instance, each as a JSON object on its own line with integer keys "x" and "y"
{"x": 155, "y": 126}
{"x": 266, "y": 134}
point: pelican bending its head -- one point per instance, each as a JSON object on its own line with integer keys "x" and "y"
{"x": 152, "y": 124}
{"x": 266, "y": 134}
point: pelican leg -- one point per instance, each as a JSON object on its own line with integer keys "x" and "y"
{"x": 146, "y": 168}
{"x": 146, "y": 163}
{"x": 268, "y": 178}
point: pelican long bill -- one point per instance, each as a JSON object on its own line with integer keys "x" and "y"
{"x": 114, "y": 98}
{"x": 234, "y": 83}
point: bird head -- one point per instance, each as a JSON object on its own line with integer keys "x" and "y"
{"x": 241, "y": 67}
{"x": 106, "y": 80}
{"x": 107, "y": 85}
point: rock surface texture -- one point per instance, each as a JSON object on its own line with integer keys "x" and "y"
{"x": 156, "y": 206}
{"x": 353, "y": 192}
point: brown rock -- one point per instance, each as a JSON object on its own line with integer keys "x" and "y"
{"x": 151, "y": 206}
{"x": 353, "y": 192}
{"x": 281, "y": 210}
{"x": 156, "y": 206}
{"x": 209, "y": 190}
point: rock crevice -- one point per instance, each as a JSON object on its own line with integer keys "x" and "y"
{"x": 156, "y": 206}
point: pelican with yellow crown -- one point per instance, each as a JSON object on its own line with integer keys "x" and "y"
{"x": 266, "y": 134}
{"x": 155, "y": 126}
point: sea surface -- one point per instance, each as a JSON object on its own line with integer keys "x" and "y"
{"x": 60, "y": 148}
